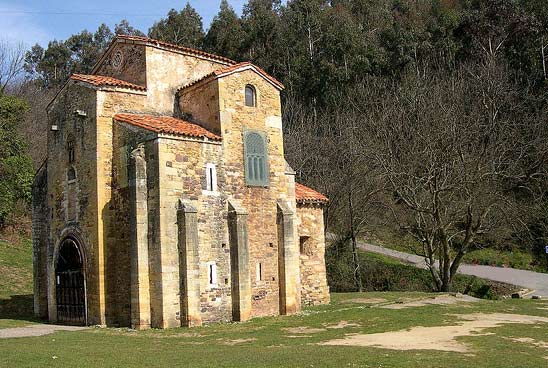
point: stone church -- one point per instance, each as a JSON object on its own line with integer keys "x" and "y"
{"x": 166, "y": 200}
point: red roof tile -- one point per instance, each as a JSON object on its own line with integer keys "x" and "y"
{"x": 236, "y": 68}
{"x": 167, "y": 125}
{"x": 99, "y": 80}
{"x": 304, "y": 194}
{"x": 176, "y": 47}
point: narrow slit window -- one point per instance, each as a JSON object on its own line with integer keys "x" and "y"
{"x": 259, "y": 271}
{"x": 250, "y": 96}
{"x": 212, "y": 274}
{"x": 211, "y": 178}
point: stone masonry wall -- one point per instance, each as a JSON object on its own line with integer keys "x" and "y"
{"x": 314, "y": 289}
{"x": 113, "y": 221}
{"x": 261, "y": 203}
{"x": 40, "y": 234}
{"x": 201, "y": 104}
{"x": 126, "y": 62}
{"x": 78, "y": 195}
{"x": 182, "y": 166}
{"x": 167, "y": 71}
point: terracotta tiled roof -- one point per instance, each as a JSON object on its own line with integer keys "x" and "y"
{"x": 176, "y": 47}
{"x": 304, "y": 194}
{"x": 167, "y": 125}
{"x": 99, "y": 80}
{"x": 235, "y": 68}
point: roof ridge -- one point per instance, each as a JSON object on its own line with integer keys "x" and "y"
{"x": 234, "y": 68}
{"x": 178, "y": 47}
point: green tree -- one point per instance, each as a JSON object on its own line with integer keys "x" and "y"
{"x": 124, "y": 28}
{"x": 86, "y": 48}
{"x": 16, "y": 170}
{"x": 183, "y": 28}
{"x": 79, "y": 53}
{"x": 225, "y": 35}
{"x": 262, "y": 42}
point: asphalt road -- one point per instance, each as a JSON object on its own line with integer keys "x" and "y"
{"x": 528, "y": 279}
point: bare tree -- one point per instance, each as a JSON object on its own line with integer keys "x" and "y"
{"x": 329, "y": 152}
{"x": 12, "y": 60}
{"x": 460, "y": 153}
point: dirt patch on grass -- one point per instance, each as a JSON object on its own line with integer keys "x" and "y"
{"x": 341, "y": 324}
{"x": 35, "y": 330}
{"x": 236, "y": 341}
{"x": 531, "y": 341}
{"x": 297, "y": 336}
{"x": 303, "y": 330}
{"x": 436, "y": 338}
{"x": 435, "y": 300}
{"x": 365, "y": 301}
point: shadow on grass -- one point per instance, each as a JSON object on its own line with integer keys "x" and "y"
{"x": 18, "y": 307}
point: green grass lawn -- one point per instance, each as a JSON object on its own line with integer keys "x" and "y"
{"x": 15, "y": 284}
{"x": 292, "y": 341}
{"x": 266, "y": 342}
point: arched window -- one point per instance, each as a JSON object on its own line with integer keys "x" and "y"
{"x": 70, "y": 151}
{"x": 250, "y": 96}
{"x": 71, "y": 174}
{"x": 256, "y": 159}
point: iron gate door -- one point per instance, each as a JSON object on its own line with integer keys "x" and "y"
{"x": 71, "y": 300}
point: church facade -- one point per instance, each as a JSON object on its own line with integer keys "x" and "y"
{"x": 166, "y": 201}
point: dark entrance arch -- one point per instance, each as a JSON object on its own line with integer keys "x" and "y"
{"x": 70, "y": 284}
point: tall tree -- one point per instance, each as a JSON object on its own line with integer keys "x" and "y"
{"x": 52, "y": 66}
{"x": 181, "y": 28}
{"x": 12, "y": 64}
{"x": 124, "y": 28}
{"x": 225, "y": 35}
{"x": 261, "y": 23}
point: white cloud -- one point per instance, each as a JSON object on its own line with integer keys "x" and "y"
{"x": 17, "y": 26}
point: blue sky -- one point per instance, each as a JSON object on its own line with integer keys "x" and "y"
{"x": 40, "y": 21}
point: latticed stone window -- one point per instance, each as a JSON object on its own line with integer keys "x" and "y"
{"x": 250, "y": 96}
{"x": 305, "y": 246}
{"x": 256, "y": 159}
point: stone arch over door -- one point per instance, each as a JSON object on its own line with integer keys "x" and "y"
{"x": 67, "y": 274}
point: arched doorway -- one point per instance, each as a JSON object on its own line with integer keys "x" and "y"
{"x": 70, "y": 284}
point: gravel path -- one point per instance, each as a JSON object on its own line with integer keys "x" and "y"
{"x": 528, "y": 279}
{"x": 35, "y": 330}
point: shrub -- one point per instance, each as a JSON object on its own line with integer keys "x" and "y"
{"x": 380, "y": 273}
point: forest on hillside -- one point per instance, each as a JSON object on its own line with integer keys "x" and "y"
{"x": 427, "y": 117}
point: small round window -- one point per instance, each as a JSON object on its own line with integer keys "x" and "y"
{"x": 250, "y": 96}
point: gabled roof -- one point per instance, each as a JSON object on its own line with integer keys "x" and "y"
{"x": 304, "y": 194}
{"x": 237, "y": 68}
{"x": 97, "y": 81}
{"x": 166, "y": 125}
{"x": 100, "y": 81}
{"x": 162, "y": 44}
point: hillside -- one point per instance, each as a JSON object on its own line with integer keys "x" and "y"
{"x": 15, "y": 283}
